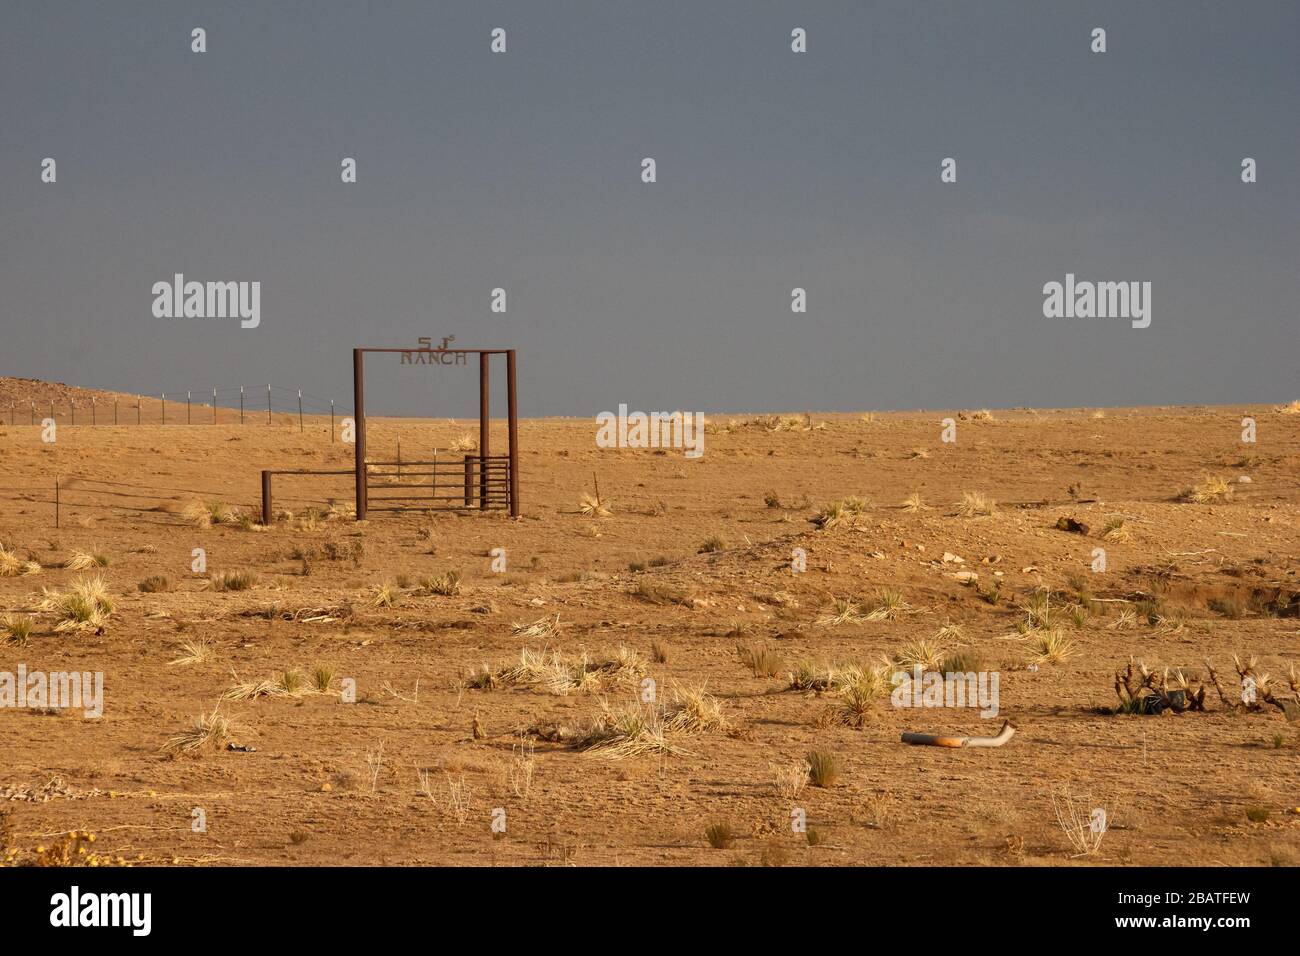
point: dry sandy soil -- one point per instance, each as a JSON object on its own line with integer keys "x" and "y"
{"x": 332, "y": 782}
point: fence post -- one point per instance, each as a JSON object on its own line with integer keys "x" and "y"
{"x": 72, "y": 403}
{"x": 434, "y": 479}
{"x": 188, "y": 403}
{"x": 469, "y": 479}
{"x": 483, "y": 450}
{"x": 512, "y": 427}
{"x": 137, "y": 409}
{"x": 164, "y": 408}
{"x": 268, "y": 403}
{"x": 214, "y": 404}
{"x": 56, "y": 501}
{"x": 299, "y": 410}
{"x": 114, "y": 411}
{"x": 92, "y": 410}
{"x": 331, "y": 421}
{"x": 266, "y": 498}
{"x": 241, "y": 404}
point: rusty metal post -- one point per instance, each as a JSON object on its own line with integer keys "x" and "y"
{"x": 72, "y": 403}
{"x": 483, "y": 411}
{"x": 164, "y": 408}
{"x": 266, "y": 498}
{"x": 299, "y": 410}
{"x": 189, "y": 406}
{"x": 469, "y": 479}
{"x": 331, "y": 421}
{"x": 214, "y": 405}
{"x": 512, "y": 403}
{"x": 359, "y": 427}
{"x": 92, "y": 411}
{"x": 268, "y": 403}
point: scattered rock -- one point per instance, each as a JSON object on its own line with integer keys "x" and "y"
{"x": 1072, "y": 526}
{"x": 950, "y": 558}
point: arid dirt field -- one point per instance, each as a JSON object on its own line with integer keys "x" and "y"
{"x": 693, "y": 562}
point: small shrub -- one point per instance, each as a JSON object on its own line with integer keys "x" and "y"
{"x": 823, "y": 770}
{"x": 719, "y": 835}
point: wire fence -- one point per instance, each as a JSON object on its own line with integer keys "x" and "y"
{"x": 220, "y": 405}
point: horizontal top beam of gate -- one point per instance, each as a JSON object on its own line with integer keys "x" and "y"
{"x": 452, "y": 351}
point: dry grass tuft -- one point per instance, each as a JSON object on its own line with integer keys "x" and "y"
{"x": 1053, "y": 646}
{"x": 204, "y": 514}
{"x": 544, "y": 627}
{"x": 84, "y": 561}
{"x": 384, "y": 595}
{"x": 446, "y": 585}
{"x": 1083, "y": 822}
{"x": 592, "y": 507}
{"x": 11, "y": 566}
{"x": 232, "y": 581}
{"x": 761, "y": 661}
{"x": 633, "y": 731}
{"x": 1207, "y": 491}
{"x": 196, "y": 651}
{"x": 208, "y": 729}
{"x": 841, "y": 611}
{"x": 974, "y": 504}
{"x": 919, "y": 653}
{"x": 694, "y": 712}
{"x": 1116, "y": 529}
{"x": 886, "y": 604}
{"x": 15, "y": 629}
{"x": 913, "y": 503}
{"x": 823, "y": 770}
{"x": 86, "y": 607}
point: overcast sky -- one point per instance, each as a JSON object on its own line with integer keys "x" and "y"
{"x": 775, "y": 170}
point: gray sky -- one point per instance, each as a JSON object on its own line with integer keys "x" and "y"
{"x": 775, "y": 170}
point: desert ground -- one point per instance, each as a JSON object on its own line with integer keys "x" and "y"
{"x": 519, "y": 696}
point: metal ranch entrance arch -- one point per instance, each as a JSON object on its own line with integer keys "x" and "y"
{"x": 482, "y": 479}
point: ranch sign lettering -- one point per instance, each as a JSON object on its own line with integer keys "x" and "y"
{"x": 440, "y": 357}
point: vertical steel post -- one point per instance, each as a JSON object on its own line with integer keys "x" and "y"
{"x": 189, "y": 405}
{"x": 266, "y": 498}
{"x": 268, "y": 403}
{"x": 299, "y": 410}
{"x": 214, "y": 404}
{"x": 512, "y": 403}
{"x": 359, "y": 427}
{"x": 483, "y": 450}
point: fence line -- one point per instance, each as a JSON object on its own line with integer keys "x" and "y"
{"x": 242, "y": 405}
